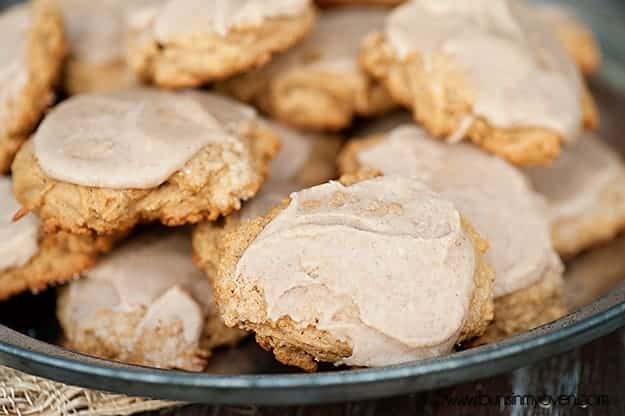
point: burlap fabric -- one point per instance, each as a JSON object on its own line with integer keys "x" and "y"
{"x": 22, "y": 394}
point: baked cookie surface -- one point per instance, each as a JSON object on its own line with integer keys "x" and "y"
{"x": 145, "y": 304}
{"x": 312, "y": 277}
{"x": 31, "y": 260}
{"x": 318, "y": 84}
{"x": 178, "y": 44}
{"x": 495, "y": 75}
{"x": 496, "y": 198}
{"x": 31, "y": 54}
{"x": 103, "y": 163}
{"x": 585, "y": 194}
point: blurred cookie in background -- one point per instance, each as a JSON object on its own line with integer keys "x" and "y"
{"x": 177, "y": 44}
{"x": 31, "y": 260}
{"x": 576, "y": 37}
{"x": 496, "y": 76}
{"x": 31, "y": 55}
{"x": 145, "y": 304}
{"x": 585, "y": 193}
{"x": 318, "y": 85}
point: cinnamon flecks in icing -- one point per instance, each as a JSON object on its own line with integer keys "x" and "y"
{"x": 14, "y": 27}
{"x": 575, "y": 181}
{"x": 153, "y": 274}
{"x": 493, "y": 195}
{"x": 176, "y": 18}
{"x": 19, "y": 241}
{"x": 384, "y": 265}
{"x": 132, "y": 139}
{"x": 335, "y": 42}
{"x": 518, "y": 72}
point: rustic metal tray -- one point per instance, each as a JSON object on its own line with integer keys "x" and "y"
{"x": 247, "y": 375}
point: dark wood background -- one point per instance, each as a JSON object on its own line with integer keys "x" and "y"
{"x": 597, "y": 369}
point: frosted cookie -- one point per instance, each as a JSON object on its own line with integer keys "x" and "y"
{"x": 304, "y": 160}
{"x": 377, "y": 273}
{"x": 576, "y": 37}
{"x": 490, "y": 72}
{"x": 192, "y": 42}
{"x": 96, "y": 36}
{"x": 145, "y": 304}
{"x": 103, "y": 163}
{"x": 330, "y": 3}
{"x": 497, "y": 199}
{"x": 585, "y": 193}
{"x": 31, "y": 260}
{"x": 318, "y": 84}
{"x": 32, "y": 48}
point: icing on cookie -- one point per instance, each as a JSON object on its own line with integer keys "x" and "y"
{"x": 132, "y": 139}
{"x": 557, "y": 14}
{"x": 18, "y": 240}
{"x": 153, "y": 274}
{"x": 95, "y": 29}
{"x": 493, "y": 195}
{"x": 575, "y": 181}
{"x": 177, "y": 18}
{"x": 384, "y": 265}
{"x": 518, "y": 72}
{"x": 334, "y": 44}
{"x": 14, "y": 29}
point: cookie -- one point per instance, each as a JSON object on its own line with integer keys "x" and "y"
{"x": 318, "y": 84}
{"x": 585, "y": 193}
{"x": 145, "y": 304}
{"x": 96, "y": 37}
{"x": 576, "y": 37}
{"x": 494, "y": 75}
{"x": 380, "y": 272}
{"x": 103, "y": 163}
{"x": 33, "y": 48}
{"x": 304, "y": 160}
{"x": 31, "y": 261}
{"x": 187, "y": 43}
{"x": 497, "y": 199}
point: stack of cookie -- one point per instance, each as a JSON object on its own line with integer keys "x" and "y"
{"x": 197, "y": 185}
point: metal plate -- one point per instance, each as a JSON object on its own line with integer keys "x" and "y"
{"x": 248, "y": 375}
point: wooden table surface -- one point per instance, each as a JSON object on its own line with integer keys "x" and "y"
{"x": 594, "y": 375}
